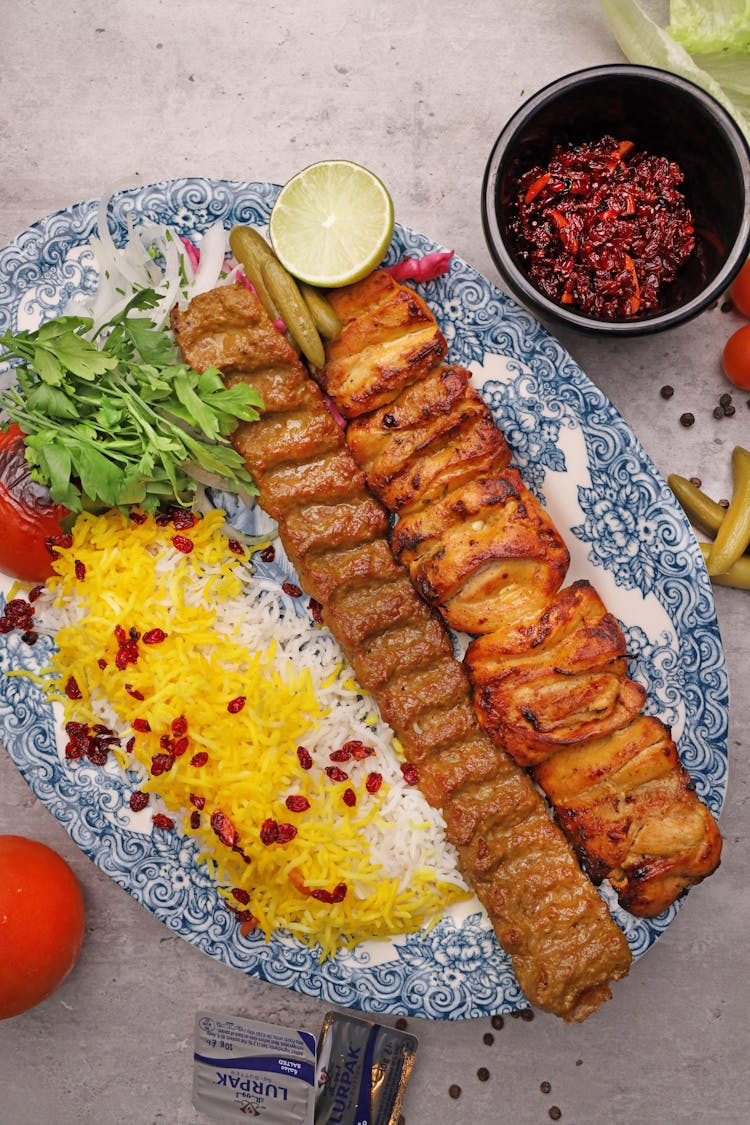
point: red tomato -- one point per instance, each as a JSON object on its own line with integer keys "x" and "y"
{"x": 27, "y": 515}
{"x": 41, "y": 923}
{"x": 740, "y": 290}
{"x": 736, "y": 358}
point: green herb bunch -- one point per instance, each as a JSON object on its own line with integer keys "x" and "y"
{"x": 119, "y": 420}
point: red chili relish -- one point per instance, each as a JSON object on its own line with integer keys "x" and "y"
{"x": 600, "y": 232}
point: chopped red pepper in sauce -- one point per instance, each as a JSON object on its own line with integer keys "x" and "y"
{"x": 602, "y": 233}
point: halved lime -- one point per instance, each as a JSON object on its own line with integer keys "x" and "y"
{"x": 332, "y": 223}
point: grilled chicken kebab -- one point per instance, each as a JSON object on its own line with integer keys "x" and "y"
{"x": 564, "y": 945}
{"x": 549, "y": 665}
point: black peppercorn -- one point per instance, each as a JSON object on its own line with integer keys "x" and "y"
{"x": 454, "y": 1091}
{"x": 725, "y": 399}
{"x": 666, "y": 391}
{"x": 687, "y": 419}
{"x": 483, "y": 1074}
{"x": 527, "y": 1015}
{"x": 401, "y": 1024}
{"x": 546, "y": 1087}
{"x": 498, "y": 1023}
{"x": 729, "y": 411}
{"x": 555, "y": 1112}
{"x": 488, "y": 1038}
{"x": 718, "y": 412}
{"x": 696, "y": 481}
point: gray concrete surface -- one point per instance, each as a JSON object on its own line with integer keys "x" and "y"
{"x": 92, "y": 92}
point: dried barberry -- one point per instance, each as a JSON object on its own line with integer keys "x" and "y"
{"x": 410, "y": 772}
{"x": 316, "y": 611}
{"x": 127, "y": 653}
{"x": 304, "y": 758}
{"x": 161, "y": 821}
{"x": 358, "y": 749}
{"x": 179, "y": 746}
{"x": 64, "y": 540}
{"x": 72, "y": 689}
{"x": 291, "y": 589}
{"x": 349, "y": 798}
{"x": 235, "y": 546}
{"x": 338, "y": 894}
{"x": 154, "y": 637}
{"x": 138, "y": 800}
{"x": 269, "y": 831}
{"x": 97, "y": 751}
{"x": 335, "y": 774}
{"x": 141, "y": 725}
{"x": 297, "y": 803}
{"x": 182, "y": 543}
{"x": 241, "y": 895}
{"x": 224, "y": 828}
{"x": 161, "y": 763}
{"x": 235, "y": 705}
{"x": 179, "y": 726}
{"x": 373, "y": 782}
{"x": 199, "y": 759}
{"x": 183, "y": 518}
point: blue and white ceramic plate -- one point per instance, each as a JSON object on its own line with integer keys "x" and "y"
{"x": 625, "y": 533}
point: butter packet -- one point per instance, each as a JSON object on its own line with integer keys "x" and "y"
{"x": 244, "y": 1068}
{"x": 362, "y": 1071}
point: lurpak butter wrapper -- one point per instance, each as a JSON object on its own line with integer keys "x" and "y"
{"x": 362, "y": 1071}
{"x": 244, "y": 1068}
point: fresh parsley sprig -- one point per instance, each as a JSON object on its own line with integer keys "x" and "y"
{"x": 113, "y": 421}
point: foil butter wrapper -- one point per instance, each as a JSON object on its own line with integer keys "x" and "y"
{"x": 362, "y": 1071}
{"x": 244, "y": 1068}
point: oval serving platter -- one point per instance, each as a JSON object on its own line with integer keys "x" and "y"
{"x": 624, "y": 530}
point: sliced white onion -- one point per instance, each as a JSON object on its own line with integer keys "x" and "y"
{"x": 212, "y": 248}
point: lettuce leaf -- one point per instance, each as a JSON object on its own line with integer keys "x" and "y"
{"x": 643, "y": 41}
{"x": 711, "y": 26}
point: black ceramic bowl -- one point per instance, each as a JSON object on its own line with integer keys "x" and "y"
{"x": 664, "y": 116}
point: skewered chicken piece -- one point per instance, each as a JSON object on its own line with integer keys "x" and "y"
{"x": 442, "y": 421}
{"x": 378, "y": 354}
{"x": 487, "y": 553}
{"x": 549, "y": 667}
{"x": 565, "y": 947}
{"x": 628, "y": 807}
{"x": 557, "y": 682}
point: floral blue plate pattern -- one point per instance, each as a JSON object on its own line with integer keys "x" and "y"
{"x": 624, "y": 531}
